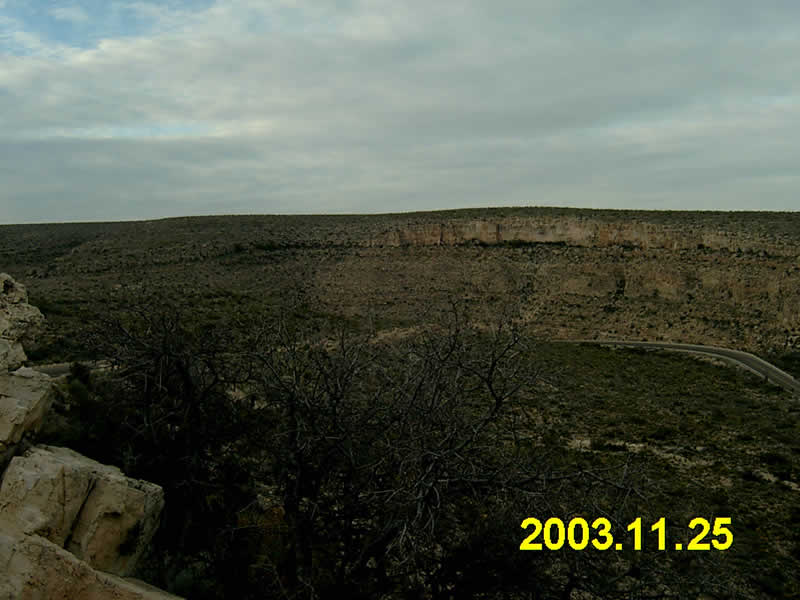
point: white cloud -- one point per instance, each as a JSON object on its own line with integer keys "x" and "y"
{"x": 304, "y": 107}
{"x": 72, "y": 14}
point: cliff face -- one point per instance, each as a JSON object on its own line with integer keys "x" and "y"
{"x": 584, "y": 232}
{"x": 722, "y": 298}
{"x": 583, "y": 277}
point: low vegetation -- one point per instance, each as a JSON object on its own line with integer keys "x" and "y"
{"x": 302, "y": 459}
{"x": 323, "y": 416}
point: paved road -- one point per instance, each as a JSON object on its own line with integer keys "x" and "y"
{"x": 751, "y": 362}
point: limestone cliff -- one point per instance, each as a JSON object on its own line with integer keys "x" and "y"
{"x": 685, "y": 277}
{"x": 585, "y": 232}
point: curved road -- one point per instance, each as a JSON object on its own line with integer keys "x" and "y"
{"x": 751, "y": 362}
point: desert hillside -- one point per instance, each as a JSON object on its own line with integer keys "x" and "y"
{"x": 730, "y": 279}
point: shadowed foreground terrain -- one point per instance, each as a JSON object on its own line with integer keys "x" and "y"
{"x": 279, "y": 341}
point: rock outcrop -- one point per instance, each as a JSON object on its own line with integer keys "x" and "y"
{"x": 70, "y": 527}
{"x": 90, "y": 509}
{"x": 34, "y": 568}
{"x": 25, "y": 398}
{"x": 18, "y": 321}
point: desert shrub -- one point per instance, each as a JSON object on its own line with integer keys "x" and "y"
{"x": 80, "y": 372}
{"x": 78, "y": 391}
{"x": 368, "y": 451}
{"x": 305, "y": 460}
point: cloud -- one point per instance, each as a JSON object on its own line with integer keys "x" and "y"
{"x": 73, "y": 14}
{"x": 300, "y": 106}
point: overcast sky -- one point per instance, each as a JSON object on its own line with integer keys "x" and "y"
{"x": 115, "y": 110}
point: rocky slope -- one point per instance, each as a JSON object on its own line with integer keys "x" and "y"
{"x": 728, "y": 279}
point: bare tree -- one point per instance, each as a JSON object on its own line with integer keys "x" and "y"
{"x": 381, "y": 446}
{"x": 402, "y": 464}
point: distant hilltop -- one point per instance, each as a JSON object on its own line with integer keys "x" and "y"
{"x": 745, "y": 231}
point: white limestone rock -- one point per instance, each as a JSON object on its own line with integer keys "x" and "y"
{"x": 34, "y": 568}
{"x": 90, "y": 509}
{"x": 18, "y": 321}
{"x": 25, "y": 398}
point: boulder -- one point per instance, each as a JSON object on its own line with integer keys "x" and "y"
{"x": 11, "y": 353}
{"x": 34, "y": 568}
{"x": 18, "y": 321}
{"x": 25, "y": 398}
{"x": 90, "y": 509}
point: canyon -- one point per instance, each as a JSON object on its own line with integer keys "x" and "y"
{"x": 721, "y": 279}
{"x": 727, "y": 279}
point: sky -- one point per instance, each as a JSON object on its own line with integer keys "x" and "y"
{"x": 117, "y": 110}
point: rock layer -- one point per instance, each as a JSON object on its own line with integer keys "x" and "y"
{"x": 581, "y": 231}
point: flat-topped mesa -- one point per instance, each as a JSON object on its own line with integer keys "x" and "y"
{"x": 18, "y": 322}
{"x": 581, "y": 231}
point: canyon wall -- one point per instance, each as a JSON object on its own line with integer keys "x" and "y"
{"x": 724, "y": 278}
{"x": 674, "y": 277}
{"x": 584, "y": 232}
